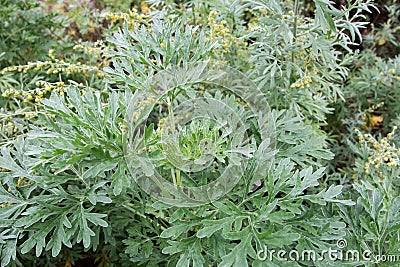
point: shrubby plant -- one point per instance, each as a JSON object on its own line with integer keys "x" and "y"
{"x": 78, "y": 177}
{"x": 373, "y": 221}
{"x": 21, "y": 38}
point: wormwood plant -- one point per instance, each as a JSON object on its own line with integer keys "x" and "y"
{"x": 373, "y": 222}
{"x": 378, "y": 79}
{"x": 295, "y": 57}
{"x": 82, "y": 174}
{"x": 26, "y": 33}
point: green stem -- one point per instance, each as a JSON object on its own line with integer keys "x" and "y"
{"x": 296, "y": 12}
{"x": 171, "y": 113}
{"x": 173, "y": 176}
{"x": 194, "y": 13}
{"x": 178, "y": 178}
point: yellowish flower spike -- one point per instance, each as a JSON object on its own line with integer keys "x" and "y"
{"x": 219, "y": 32}
{"x": 55, "y": 66}
{"x": 303, "y": 82}
{"x": 132, "y": 18}
{"x": 381, "y": 152}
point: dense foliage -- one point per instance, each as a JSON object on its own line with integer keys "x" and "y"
{"x": 199, "y": 133}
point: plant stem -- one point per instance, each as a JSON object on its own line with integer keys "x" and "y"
{"x": 178, "y": 178}
{"x": 173, "y": 176}
{"x": 296, "y": 12}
